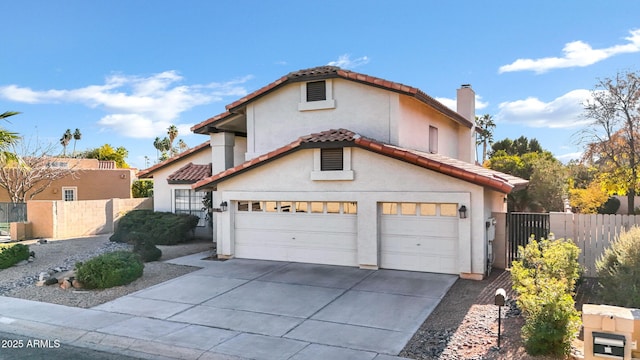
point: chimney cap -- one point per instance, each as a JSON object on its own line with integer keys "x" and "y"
{"x": 465, "y": 86}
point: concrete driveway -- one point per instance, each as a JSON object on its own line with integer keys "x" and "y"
{"x": 275, "y": 310}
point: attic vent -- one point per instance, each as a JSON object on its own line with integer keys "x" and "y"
{"x": 316, "y": 91}
{"x": 331, "y": 159}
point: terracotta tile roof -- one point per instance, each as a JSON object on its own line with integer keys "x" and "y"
{"x": 456, "y": 168}
{"x": 148, "y": 172}
{"x": 190, "y": 174}
{"x": 327, "y": 72}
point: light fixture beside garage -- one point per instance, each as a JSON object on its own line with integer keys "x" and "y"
{"x": 463, "y": 212}
{"x": 222, "y": 208}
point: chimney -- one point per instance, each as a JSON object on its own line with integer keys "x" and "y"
{"x": 466, "y": 105}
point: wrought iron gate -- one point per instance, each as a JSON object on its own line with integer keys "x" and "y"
{"x": 521, "y": 227}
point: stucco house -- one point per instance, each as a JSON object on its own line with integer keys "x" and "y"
{"x": 330, "y": 166}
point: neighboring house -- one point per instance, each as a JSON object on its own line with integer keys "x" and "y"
{"x": 88, "y": 179}
{"x": 331, "y": 166}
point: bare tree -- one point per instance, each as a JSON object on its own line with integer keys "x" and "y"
{"x": 36, "y": 173}
{"x": 613, "y": 138}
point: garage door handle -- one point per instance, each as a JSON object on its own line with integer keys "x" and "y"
{"x": 417, "y": 244}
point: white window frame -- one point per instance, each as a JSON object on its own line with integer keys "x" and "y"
{"x": 346, "y": 174}
{"x": 433, "y": 139}
{"x": 74, "y": 192}
{"x": 305, "y": 105}
{"x": 192, "y": 211}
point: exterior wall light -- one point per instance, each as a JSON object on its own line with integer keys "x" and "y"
{"x": 463, "y": 212}
{"x": 222, "y": 208}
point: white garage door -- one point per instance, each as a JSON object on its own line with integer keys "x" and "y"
{"x": 300, "y": 231}
{"x": 419, "y": 237}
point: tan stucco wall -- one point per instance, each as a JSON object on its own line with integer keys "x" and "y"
{"x": 91, "y": 184}
{"x": 66, "y": 219}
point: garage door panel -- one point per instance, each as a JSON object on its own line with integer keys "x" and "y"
{"x": 419, "y": 226}
{"x": 427, "y": 263}
{"x": 424, "y": 246}
{"x": 295, "y": 222}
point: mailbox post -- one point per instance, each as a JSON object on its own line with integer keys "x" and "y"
{"x": 499, "y": 300}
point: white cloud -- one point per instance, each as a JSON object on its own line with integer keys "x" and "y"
{"x": 345, "y": 61}
{"x": 453, "y": 104}
{"x": 565, "y": 111}
{"x": 576, "y": 54}
{"x": 139, "y": 107}
{"x": 565, "y": 158}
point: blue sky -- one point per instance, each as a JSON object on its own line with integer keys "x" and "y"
{"x": 123, "y": 71}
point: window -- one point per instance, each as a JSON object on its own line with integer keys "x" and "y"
{"x": 271, "y": 206}
{"x": 316, "y": 91}
{"x": 189, "y": 202}
{"x": 408, "y": 208}
{"x": 448, "y": 209}
{"x": 333, "y": 208}
{"x": 428, "y": 209}
{"x": 69, "y": 193}
{"x": 302, "y": 206}
{"x": 285, "y": 206}
{"x": 433, "y": 139}
{"x": 350, "y": 208}
{"x": 331, "y": 159}
{"x": 390, "y": 208}
{"x": 316, "y": 95}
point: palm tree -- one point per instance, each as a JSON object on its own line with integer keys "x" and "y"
{"x": 7, "y": 139}
{"x": 172, "y": 131}
{"x": 64, "y": 141}
{"x": 182, "y": 145}
{"x": 157, "y": 143}
{"x": 484, "y": 133}
{"x": 77, "y": 135}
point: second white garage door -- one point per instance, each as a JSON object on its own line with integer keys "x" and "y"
{"x": 299, "y": 231}
{"x": 419, "y": 237}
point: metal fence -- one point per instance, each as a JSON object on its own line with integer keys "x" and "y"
{"x": 11, "y": 212}
{"x": 521, "y": 227}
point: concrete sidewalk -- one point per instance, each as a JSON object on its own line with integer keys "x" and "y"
{"x": 246, "y": 309}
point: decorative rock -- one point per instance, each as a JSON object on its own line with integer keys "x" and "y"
{"x": 42, "y": 241}
{"x": 58, "y": 269}
{"x": 43, "y": 276}
{"x": 30, "y": 259}
{"x": 41, "y": 282}
{"x": 77, "y": 284}
{"x": 66, "y": 284}
{"x": 32, "y": 254}
{"x": 51, "y": 281}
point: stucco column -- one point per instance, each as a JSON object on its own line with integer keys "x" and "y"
{"x": 222, "y": 151}
{"x": 368, "y": 241}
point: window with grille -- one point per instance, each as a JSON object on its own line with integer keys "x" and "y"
{"x": 316, "y": 91}
{"x": 331, "y": 159}
{"x": 69, "y": 193}
{"x": 190, "y": 202}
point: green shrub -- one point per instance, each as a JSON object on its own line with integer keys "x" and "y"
{"x": 160, "y": 228}
{"x": 11, "y": 254}
{"x": 109, "y": 270}
{"x": 618, "y": 270}
{"x": 545, "y": 278}
{"x": 611, "y": 206}
{"x": 146, "y": 250}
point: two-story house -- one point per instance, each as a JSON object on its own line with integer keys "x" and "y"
{"x": 330, "y": 166}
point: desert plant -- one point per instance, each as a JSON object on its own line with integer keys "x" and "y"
{"x": 109, "y": 270}
{"x": 618, "y": 270}
{"x": 11, "y": 254}
{"x": 160, "y": 228}
{"x": 545, "y": 278}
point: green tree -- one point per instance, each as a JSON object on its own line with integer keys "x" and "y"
{"x": 142, "y": 188}
{"x": 519, "y": 146}
{"x": 107, "y": 152}
{"x": 612, "y": 139}
{"x": 7, "y": 140}
{"x": 484, "y": 133}
{"x": 64, "y": 141}
{"x": 77, "y": 135}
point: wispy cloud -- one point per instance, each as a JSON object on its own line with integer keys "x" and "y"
{"x": 576, "y": 54}
{"x": 565, "y": 111}
{"x": 139, "y": 107}
{"x": 345, "y": 61}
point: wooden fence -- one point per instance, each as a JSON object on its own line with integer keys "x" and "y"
{"x": 591, "y": 233}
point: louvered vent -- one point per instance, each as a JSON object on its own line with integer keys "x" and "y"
{"x": 330, "y": 159}
{"x": 316, "y": 91}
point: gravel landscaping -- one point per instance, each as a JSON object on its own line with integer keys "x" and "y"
{"x": 19, "y": 281}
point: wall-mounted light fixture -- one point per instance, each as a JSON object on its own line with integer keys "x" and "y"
{"x": 463, "y": 212}
{"x": 223, "y": 207}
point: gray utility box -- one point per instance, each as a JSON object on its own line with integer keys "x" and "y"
{"x": 608, "y": 345}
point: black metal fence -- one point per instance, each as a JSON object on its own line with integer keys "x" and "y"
{"x": 11, "y": 212}
{"x": 521, "y": 226}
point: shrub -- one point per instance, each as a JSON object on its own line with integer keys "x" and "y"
{"x": 109, "y": 270}
{"x": 160, "y": 228}
{"x": 618, "y": 270}
{"x": 610, "y": 207}
{"x": 146, "y": 250}
{"x": 545, "y": 278}
{"x": 11, "y": 254}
